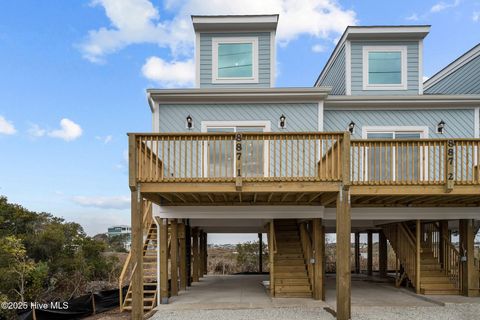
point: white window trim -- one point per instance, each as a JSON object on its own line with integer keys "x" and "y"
{"x": 403, "y": 52}
{"x": 234, "y": 124}
{"x": 423, "y": 130}
{"x": 218, "y": 40}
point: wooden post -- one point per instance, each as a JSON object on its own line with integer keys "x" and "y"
{"x": 164, "y": 261}
{"x": 94, "y": 309}
{"x": 196, "y": 256}
{"x": 382, "y": 254}
{"x": 343, "y": 273}
{"x": 370, "y": 253}
{"x": 318, "y": 238}
{"x": 205, "y": 260}
{"x": 469, "y": 272}
{"x": 174, "y": 257}
{"x": 357, "y": 252}
{"x": 443, "y": 234}
{"x": 260, "y": 252}
{"x": 188, "y": 243}
{"x": 449, "y": 167}
{"x": 271, "y": 256}
{"x": 137, "y": 255}
{"x": 183, "y": 256}
{"x": 418, "y": 259}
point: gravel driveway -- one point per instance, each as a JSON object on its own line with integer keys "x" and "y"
{"x": 450, "y": 311}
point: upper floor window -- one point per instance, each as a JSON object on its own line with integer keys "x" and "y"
{"x": 235, "y": 60}
{"x": 385, "y": 68}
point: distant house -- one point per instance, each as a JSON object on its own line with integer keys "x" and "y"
{"x": 122, "y": 230}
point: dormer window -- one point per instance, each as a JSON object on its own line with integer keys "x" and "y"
{"x": 235, "y": 60}
{"x": 385, "y": 68}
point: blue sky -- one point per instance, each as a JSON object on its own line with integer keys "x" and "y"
{"x": 73, "y": 76}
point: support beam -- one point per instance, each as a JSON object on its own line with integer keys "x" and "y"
{"x": 260, "y": 253}
{"x": 201, "y": 244}
{"x": 271, "y": 255}
{"x": 183, "y": 256}
{"x": 174, "y": 256}
{"x": 369, "y": 253}
{"x": 418, "y": 250}
{"x": 137, "y": 255}
{"x": 382, "y": 254}
{"x": 196, "y": 256}
{"x": 318, "y": 239}
{"x": 188, "y": 249}
{"x": 164, "y": 261}
{"x": 357, "y": 252}
{"x": 469, "y": 272}
{"x": 205, "y": 254}
{"x": 343, "y": 275}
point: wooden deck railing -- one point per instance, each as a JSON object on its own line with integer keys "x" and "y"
{"x": 309, "y": 156}
{"x": 222, "y": 157}
{"x": 415, "y": 162}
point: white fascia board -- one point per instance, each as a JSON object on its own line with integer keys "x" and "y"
{"x": 236, "y": 19}
{"x": 239, "y": 212}
{"x": 320, "y": 116}
{"x": 408, "y": 213}
{"x": 452, "y": 67}
{"x": 476, "y": 124}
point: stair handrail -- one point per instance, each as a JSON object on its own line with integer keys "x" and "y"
{"x": 407, "y": 255}
{"x": 452, "y": 266}
{"x": 307, "y": 249}
{"x": 147, "y": 220}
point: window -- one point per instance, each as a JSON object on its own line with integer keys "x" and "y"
{"x": 385, "y": 68}
{"x": 220, "y": 155}
{"x": 234, "y": 60}
{"x": 391, "y": 162}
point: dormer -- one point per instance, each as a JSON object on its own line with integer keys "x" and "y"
{"x": 235, "y": 51}
{"x": 378, "y": 60}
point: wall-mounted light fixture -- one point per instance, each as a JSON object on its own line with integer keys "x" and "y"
{"x": 189, "y": 122}
{"x": 441, "y": 127}
{"x": 351, "y": 127}
{"x": 282, "y": 122}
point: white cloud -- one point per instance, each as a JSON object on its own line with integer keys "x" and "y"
{"x": 68, "y": 131}
{"x": 6, "y": 127}
{"x": 171, "y": 74}
{"x": 113, "y": 202}
{"x": 105, "y": 140}
{"x": 139, "y": 21}
{"x": 36, "y": 131}
{"x": 413, "y": 17}
{"x": 476, "y": 16}
{"x": 440, "y": 6}
{"x": 318, "y": 48}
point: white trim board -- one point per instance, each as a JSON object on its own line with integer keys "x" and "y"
{"x": 403, "y": 68}
{"x": 422, "y": 129}
{"x": 216, "y": 41}
{"x": 408, "y": 213}
{"x": 476, "y": 125}
{"x": 239, "y": 212}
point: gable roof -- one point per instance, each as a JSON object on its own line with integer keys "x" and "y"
{"x": 203, "y": 23}
{"x": 451, "y": 68}
{"x": 377, "y": 33}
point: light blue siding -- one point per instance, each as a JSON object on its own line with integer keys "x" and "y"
{"x": 464, "y": 80}
{"x": 459, "y": 122}
{"x": 300, "y": 116}
{"x": 412, "y": 67}
{"x": 264, "y": 72}
{"x": 335, "y": 75}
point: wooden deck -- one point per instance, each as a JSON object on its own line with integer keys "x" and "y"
{"x": 303, "y": 168}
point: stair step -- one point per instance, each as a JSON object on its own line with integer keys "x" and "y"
{"x": 145, "y": 308}
{"x": 291, "y": 275}
{"x": 439, "y": 291}
{"x": 293, "y": 295}
{"x": 289, "y": 262}
{"x": 428, "y": 279}
{"x": 299, "y": 281}
{"x": 289, "y": 255}
{"x": 293, "y": 288}
{"x": 296, "y": 268}
{"x": 437, "y": 286}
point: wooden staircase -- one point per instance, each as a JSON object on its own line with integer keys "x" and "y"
{"x": 436, "y": 276}
{"x": 150, "y": 283}
{"x": 290, "y": 269}
{"x": 433, "y": 279}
